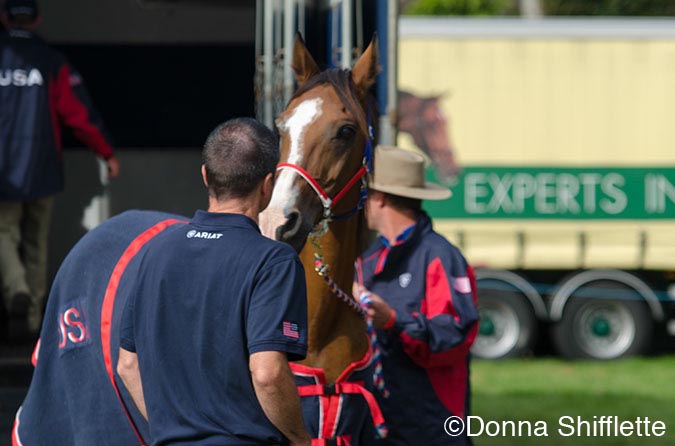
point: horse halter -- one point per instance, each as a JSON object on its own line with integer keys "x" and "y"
{"x": 329, "y": 203}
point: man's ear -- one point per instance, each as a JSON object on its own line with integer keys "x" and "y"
{"x": 206, "y": 183}
{"x": 380, "y": 198}
{"x": 266, "y": 190}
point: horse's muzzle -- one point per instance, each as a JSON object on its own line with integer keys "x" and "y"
{"x": 288, "y": 227}
{"x": 294, "y": 230}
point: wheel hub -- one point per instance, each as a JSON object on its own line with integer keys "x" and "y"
{"x": 601, "y": 327}
{"x": 487, "y": 327}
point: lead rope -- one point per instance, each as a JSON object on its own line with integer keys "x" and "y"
{"x": 378, "y": 376}
{"x": 361, "y": 307}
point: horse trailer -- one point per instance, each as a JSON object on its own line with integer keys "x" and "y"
{"x": 566, "y": 197}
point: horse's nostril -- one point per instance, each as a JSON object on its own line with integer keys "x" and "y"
{"x": 291, "y": 231}
{"x": 290, "y": 226}
{"x": 293, "y": 219}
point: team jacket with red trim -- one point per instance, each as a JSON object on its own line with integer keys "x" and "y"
{"x": 426, "y": 353}
{"x": 75, "y": 397}
{"x": 39, "y": 91}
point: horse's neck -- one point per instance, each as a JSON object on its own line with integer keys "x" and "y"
{"x": 408, "y": 111}
{"x": 337, "y": 334}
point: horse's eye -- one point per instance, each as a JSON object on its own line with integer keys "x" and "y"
{"x": 346, "y": 132}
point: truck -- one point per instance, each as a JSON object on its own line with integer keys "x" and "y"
{"x": 565, "y": 203}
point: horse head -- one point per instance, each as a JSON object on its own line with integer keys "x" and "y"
{"x": 424, "y": 120}
{"x": 324, "y": 133}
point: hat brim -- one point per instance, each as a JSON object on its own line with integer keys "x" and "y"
{"x": 431, "y": 191}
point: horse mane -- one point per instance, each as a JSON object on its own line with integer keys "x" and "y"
{"x": 341, "y": 81}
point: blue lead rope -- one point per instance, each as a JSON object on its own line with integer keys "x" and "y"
{"x": 378, "y": 376}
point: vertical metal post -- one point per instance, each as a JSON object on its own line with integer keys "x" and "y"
{"x": 392, "y": 74}
{"x": 387, "y": 29}
{"x": 301, "y": 18}
{"x": 347, "y": 38}
{"x": 333, "y": 41}
{"x": 268, "y": 60}
{"x": 359, "y": 25}
{"x": 278, "y": 26}
{"x": 289, "y": 28}
{"x": 258, "y": 28}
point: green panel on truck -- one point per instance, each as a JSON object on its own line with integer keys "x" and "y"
{"x": 586, "y": 193}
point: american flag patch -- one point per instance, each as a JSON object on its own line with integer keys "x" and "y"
{"x": 462, "y": 284}
{"x": 290, "y": 329}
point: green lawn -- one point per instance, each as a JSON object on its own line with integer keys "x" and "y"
{"x": 547, "y": 389}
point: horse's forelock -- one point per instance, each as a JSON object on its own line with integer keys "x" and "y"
{"x": 341, "y": 81}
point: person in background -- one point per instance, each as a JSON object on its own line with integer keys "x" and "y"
{"x": 39, "y": 92}
{"x": 218, "y": 310}
{"x": 423, "y": 303}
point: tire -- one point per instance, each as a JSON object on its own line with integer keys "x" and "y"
{"x": 507, "y": 322}
{"x": 602, "y": 328}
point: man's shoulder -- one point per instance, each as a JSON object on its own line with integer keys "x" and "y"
{"x": 439, "y": 246}
{"x": 277, "y": 251}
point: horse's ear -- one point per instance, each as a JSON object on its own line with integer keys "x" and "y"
{"x": 366, "y": 68}
{"x": 303, "y": 64}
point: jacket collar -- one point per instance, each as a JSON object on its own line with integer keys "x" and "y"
{"x": 410, "y": 237}
{"x": 221, "y": 219}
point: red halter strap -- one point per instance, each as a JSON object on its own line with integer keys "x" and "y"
{"x": 328, "y": 203}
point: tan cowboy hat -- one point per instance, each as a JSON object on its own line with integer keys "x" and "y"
{"x": 401, "y": 172}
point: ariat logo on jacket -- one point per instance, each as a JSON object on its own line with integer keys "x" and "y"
{"x": 203, "y": 234}
{"x": 21, "y": 78}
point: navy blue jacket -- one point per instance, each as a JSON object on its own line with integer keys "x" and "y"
{"x": 211, "y": 294}
{"x": 39, "y": 91}
{"x": 426, "y": 353}
{"x": 72, "y": 399}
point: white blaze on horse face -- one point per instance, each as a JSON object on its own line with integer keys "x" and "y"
{"x": 285, "y": 193}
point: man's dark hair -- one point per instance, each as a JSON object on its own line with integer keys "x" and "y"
{"x": 21, "y": 13}
{"x": 237, "y": 155}
{"x": 404, "y": 203}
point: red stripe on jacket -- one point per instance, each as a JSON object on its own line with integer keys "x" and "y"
{"x": 73, "y": 113}
{"x": 108, "y": 305}
{"x": 446, "y": 369}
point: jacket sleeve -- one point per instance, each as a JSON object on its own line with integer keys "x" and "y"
{"x": 75, "y": 111}
{"x": 446, "y": 325}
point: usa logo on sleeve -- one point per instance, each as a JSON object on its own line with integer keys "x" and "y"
{"x": 290, "y": 330}
{"x": 462, "y": 284}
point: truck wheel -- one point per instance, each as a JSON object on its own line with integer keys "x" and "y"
{"x": 599, "y": 328}
{"x": 507, "y": 322}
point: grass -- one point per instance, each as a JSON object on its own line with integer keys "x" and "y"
{"x": 547, "y": 389}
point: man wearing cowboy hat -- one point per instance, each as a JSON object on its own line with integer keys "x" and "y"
{"x": 423, "y": 303}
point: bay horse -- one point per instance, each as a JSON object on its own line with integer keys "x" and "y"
{"x": 324, "y": 132}
{"x": 423, "y": 119}
{"x": 326, "y": 152}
